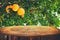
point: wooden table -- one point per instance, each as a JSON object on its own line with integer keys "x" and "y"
{"x": 28, "y": 31}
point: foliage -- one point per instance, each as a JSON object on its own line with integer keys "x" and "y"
{"x": 44, "y": 12}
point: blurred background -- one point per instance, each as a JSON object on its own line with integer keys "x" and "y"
{"x": 37, "y": 12}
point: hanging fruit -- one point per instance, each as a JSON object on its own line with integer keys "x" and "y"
{"x": 7, "y": 9}
{"x": 21, "y": 12}
{"x": 15, "y": 7}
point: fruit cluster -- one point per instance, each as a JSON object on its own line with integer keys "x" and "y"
{"x": 15, "y": 7}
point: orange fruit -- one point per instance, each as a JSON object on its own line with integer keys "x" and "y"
{"x": 7, "y": 9}
{"x": 21, "y": 12}
{"x": 15, "y": 7}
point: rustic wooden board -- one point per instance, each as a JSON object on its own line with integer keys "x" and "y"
{"x": 29, "y": 30}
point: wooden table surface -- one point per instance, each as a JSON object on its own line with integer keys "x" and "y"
{"x": 29, "y": 30}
